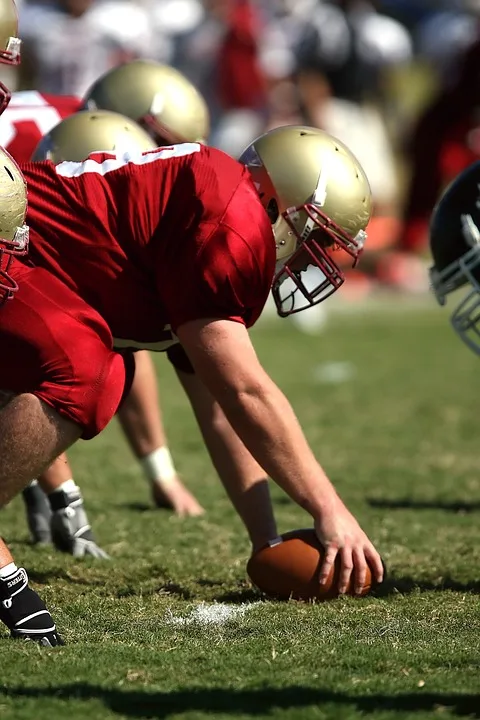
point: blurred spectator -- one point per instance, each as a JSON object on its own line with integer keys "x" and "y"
{"x": 68, "y": 44}
{"x": 221, "y": 57}
{"x": 347, "y": 66}
{"x": 341, "y": 57}
{"x": 443, "y": 37}
{"x": 446, "y": 139}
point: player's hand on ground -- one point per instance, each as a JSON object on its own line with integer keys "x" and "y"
{"x": 175, "y": 496}
{"x": 340, "y": 534}
{"x": 24, "y": 612}
{"x": 71, "y": 530}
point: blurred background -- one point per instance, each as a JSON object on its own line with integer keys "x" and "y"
{"x": 397, "y": 80}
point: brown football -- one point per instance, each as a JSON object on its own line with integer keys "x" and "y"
{"x": 288, "y": 568}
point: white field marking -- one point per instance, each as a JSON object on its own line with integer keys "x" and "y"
{"x": 211, "y": 614}
{"x": 334, "y": 373}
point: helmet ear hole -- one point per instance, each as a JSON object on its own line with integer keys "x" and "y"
{"x": 272, "y": 210}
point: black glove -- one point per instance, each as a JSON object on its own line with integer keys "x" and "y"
{"x": 24, "y": 613}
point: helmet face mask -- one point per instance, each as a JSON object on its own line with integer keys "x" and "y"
{"x": 465, "y": 318}
{"x": 315, "y": 249}
{"x": 13, "y": 230}
{"x": 323, "y": 204}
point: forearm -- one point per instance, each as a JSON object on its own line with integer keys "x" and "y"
{"x": 267, "y": 425}
{"x": 244, "y": 480}
{"x": 225, "y": 360}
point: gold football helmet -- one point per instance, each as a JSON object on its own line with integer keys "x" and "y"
{"x": 318, "y": 199}
{"x": 9, "y": 44}
{"x": 13, "y": 230}
{"x": 157, "y": 96}
{"x": 78, "y": 135}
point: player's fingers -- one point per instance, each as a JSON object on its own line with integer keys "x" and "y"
{"x": 376, "y": 564}
{"x": 97, "y": 552}
{"x": 346, "y": 568}
{"x": 330, "y": 555}
{"x": 360, "y": 570}
{"x": 102, "y": 555}
{"x": 78, "y": 551}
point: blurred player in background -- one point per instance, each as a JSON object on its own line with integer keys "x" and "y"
{"x": 187, "y": 245}
{"x": 455, "y": 248}
{"x": 170, "y": 109}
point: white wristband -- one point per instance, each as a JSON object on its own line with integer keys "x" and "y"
{"x": 158, "y": 466}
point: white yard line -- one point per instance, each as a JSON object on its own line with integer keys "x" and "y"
{"x": 210, "y": 614}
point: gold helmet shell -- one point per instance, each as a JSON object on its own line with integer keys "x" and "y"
{"x": 9, "y": 44}
{"x": 157, "y": 96}
{"x": 318, "y": 199}
{"x": 13, "y": 230}
{"x": 78, "y": 135}
{"x": 9, "y": 41}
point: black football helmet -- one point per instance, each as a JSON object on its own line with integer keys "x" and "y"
{"x": 455, "y": 248}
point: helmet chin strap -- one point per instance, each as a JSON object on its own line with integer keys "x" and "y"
{"x": 8, "y": 286}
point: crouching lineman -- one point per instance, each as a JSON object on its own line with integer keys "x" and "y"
{"x": 178, "y": 245}
{"x": 21, "y": 609}
{"x": 133, "y": 89}
{"x": 455, "y": 248}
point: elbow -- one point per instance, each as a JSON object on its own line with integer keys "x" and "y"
{"x": 246, "y": 396}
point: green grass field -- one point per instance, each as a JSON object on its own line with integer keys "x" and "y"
{"x": 399, "y": 437}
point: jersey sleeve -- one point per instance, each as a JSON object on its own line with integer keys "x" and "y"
{"x": 224, "y": 280}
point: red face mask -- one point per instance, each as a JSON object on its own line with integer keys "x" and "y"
{"x": 312, "y": 274}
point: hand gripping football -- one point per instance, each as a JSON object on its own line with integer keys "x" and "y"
{"x": 289, "y": 567}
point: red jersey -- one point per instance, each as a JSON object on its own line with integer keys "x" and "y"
{"x": 154, "y": 240}
{"x": 29, "y": 116}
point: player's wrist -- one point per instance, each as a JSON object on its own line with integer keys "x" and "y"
{"x": 322, "y": 502}
{"x": 158, "y": 466}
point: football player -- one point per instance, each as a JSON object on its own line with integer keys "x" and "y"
{"x": 21, "y": 609}
{"x": 455, "y": 248}
{"x": 170, "y": 109}
{"x": 179, "y": 246}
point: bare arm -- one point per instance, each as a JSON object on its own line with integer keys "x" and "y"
{"x": 242, "y": 477}
{"x": 225, "y": 360}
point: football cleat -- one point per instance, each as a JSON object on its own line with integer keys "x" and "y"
{"x": 24, "y": 612}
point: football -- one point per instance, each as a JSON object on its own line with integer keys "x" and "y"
{"x": 288, "y": 567}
